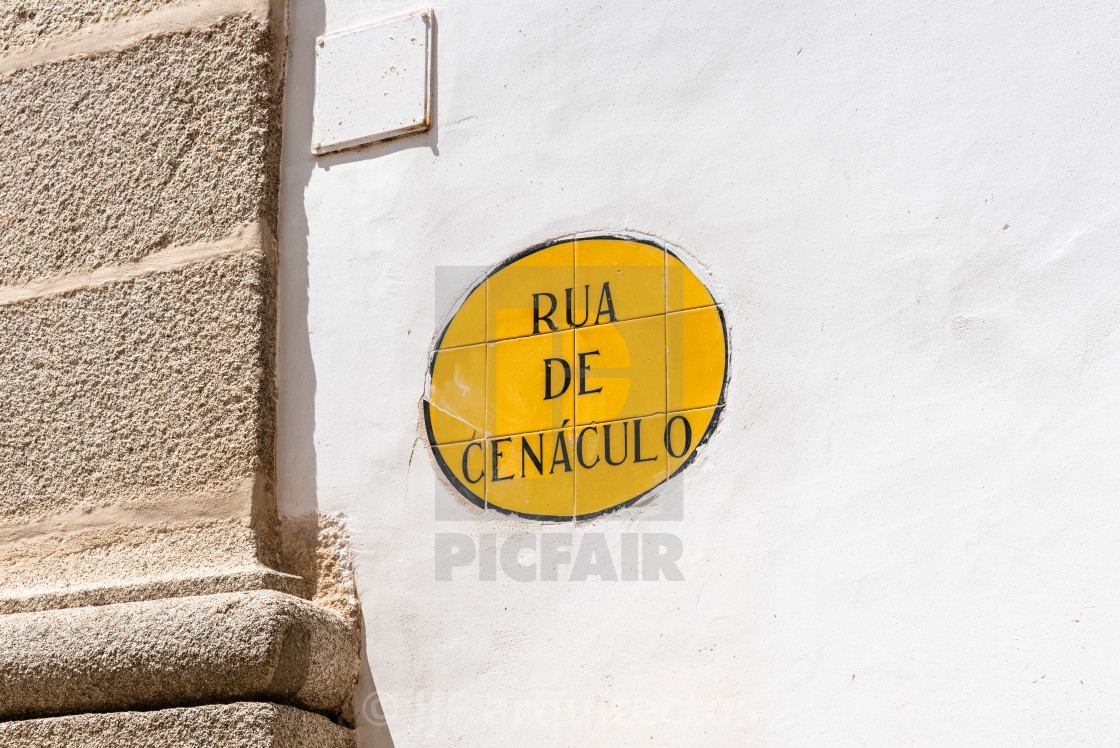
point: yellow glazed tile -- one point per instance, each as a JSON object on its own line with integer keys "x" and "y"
{"x": 696, "y": 358}
{"x": 468, "y": 326}
{"x": 617, "y": 280}
{"x": 531, "y": 384}
{"x": 527, "y": 296}
{"x": 619, "y": 370}
{"x": 617, "y": 462}
{"x": 457, "y": 394}
{"x": 466, "y": 464}
{"x": 683, "y": 289}
{"x": 446, "y": 428}
{"x": 684, "y": 432}
{"x": 532, "y": 473}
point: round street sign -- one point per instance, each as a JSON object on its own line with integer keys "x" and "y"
{"x": 576, "y": 377}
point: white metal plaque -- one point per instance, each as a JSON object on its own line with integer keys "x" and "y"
{"x": 372, "y": 82}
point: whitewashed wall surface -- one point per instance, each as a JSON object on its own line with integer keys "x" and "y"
{"x": 904, "y": 531}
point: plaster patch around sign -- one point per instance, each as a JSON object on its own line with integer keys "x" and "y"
{"x": 372, "y": 83}
{"x": 568, "y": 384}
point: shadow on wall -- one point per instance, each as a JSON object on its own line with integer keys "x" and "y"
{"x": 296, "y": 463}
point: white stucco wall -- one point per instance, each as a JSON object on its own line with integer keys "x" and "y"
{"x": 905, "y": 530}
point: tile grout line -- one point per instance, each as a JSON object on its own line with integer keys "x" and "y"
{"x": 582, "y": 327}
{"x": 578, "y": 426}
{"x": 575, "y": 357}
{"x": 665, "y": 266}
{"x": 485, "y": 386}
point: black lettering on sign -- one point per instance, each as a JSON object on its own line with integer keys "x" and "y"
{"x": 527, "y": 450}
{"x": 548, "y": 394}
{"x": 561, "y": 447}
{"x": 585, "y": 367}
{"x": 579, "y": 447}
{"x": 547, "y": 318}
{"x": 529, "y": 419}
{"x": 607, "y": 443}
{"x": 466, "y": 453}
{"x": 605, "y": 298}
{"x": 638, "y": 443}
{"x": 494, "y": 455}
{"x": 669, "y": 436}
{"x": 586, "y": 306}
{"x": 606, "y": 308}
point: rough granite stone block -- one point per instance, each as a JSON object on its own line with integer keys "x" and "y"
{"x": 24, "y": 23}
{"x": 239, "y": 725}
{"x": 160, "y": 385}
{"x": 120, "y": 562}
{"x": 239, "y": 646}
{"x": 110, "y": 157}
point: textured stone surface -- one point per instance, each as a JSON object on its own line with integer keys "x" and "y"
{"x": 317, "y": 548}
{"x": 239, "y": 725}
{"x": 79, "y": 563}
{"x": 137, "y": 589}
{"x": 127, "y": 563}
{"x": 159, "y": 385}
{"x": 175, "y": 652}
{"x": 138, "y": 179}
{"x": 24, "y": 23}
{"x": 110, "y": 157}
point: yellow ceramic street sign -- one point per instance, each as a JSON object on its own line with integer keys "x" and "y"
{"x": 576, "y": 377}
